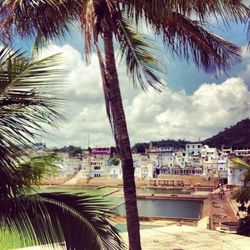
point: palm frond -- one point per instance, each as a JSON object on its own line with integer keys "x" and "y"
{"x": 78, "y": 221}
{"x": 24, "y": 103}
{"x": 188, "y": 39}
{"x": 94, "y": 15}
{"x": 142, "y": 66}
{"x": 88, "y": 24}
{"x": 238, "y": 162}
{"x": 154, "y": 10}
{"x": 25, "y": 106}
{"x": 51, "y": 18}
{"x": 37, "y": 166}
{"x": 242, "y": 193}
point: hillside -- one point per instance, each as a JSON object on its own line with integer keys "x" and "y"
{"x": 236, "y": 136}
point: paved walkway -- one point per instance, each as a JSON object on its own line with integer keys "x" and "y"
{"x": 190, "y": 238}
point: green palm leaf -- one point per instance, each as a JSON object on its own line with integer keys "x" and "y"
{"x": 51, "y": 18}
{"x": 25, "y": 107}
{"x": 161, "y": 9}
{"x": 238, "y": 162}
{"x": 188, "y": 39}
{"x": 141, "y": 65}
{"x": 242, "y": 193}
{"x": 48, "y": 218}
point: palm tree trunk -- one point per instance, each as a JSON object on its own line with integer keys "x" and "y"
{"x": 122, "y": 143}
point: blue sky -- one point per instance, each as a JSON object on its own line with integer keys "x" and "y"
{"x": 193, "y": 105}
{"x": 178, "y": 69}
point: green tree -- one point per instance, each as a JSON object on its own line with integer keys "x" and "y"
{"x": 105, "y": 20}
{"x": 26, "y": 106}
{"x": 114, "y": 161}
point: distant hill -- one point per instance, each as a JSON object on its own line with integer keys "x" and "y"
{"x": 236, "y": 136}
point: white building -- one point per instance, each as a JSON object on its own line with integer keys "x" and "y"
{"x": 242, "y": 152}
{"x": 98, "y": 167}
{"x": 222, "y": 168}
{"x": 115, "y": 172}
{"x": 209, "y": 158}
{"x": 193, "y": 148}
{"x": 167, "y": 160}
{"x": 145, "y": 171}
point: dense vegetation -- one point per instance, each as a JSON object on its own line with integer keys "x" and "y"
{"x": 71, "y": 150}
{"x": 141, "y": 147}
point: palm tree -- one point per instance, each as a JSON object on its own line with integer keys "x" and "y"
{"x": 243, "y": 164}
{"x": 242, "y": 195}
{"x": 104, "y": 20}
{"x": 26, "y": 106}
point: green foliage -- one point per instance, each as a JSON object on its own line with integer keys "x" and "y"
{"x": 26, "y": 106}
{"x": 36, "y": 167}
{"x": 242, "y": 193}
{"x": 11, "y": 239}
{"x": 170, "y": 143}
{"x": 71, "y": 150}
{"x": 141, "y": 147}
{"x": 114, "y": 161}
{"x": 49, "y": 218}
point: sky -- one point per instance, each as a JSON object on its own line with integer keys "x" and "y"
{"x": 193, "y": 105}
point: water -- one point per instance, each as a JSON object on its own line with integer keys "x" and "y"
{"x": 166, "y": 208}
{"x": 123, "y": 227}
{"x": 161, "y": 191}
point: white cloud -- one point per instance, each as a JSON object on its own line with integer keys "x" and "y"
{"x": 177, "y": 115}
{"x": 150, "y": 115}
